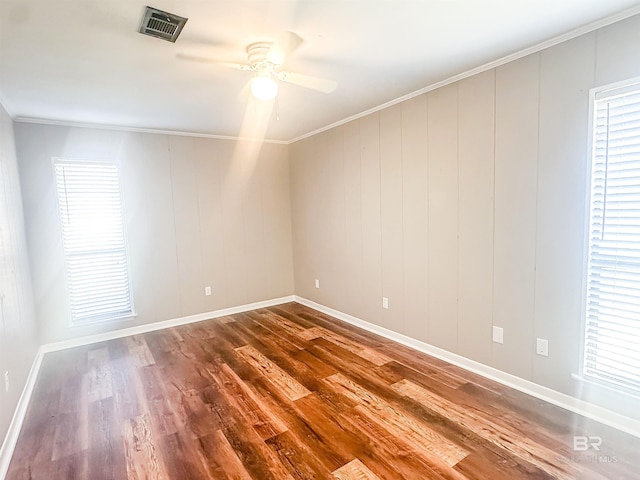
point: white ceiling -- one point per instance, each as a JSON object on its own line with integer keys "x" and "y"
{"x": 82, "y": 61}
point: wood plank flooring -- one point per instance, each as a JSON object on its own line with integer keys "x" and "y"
{"x": 289, "y": 393}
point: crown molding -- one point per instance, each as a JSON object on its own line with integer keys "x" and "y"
{"x": 155, "y": 131}
{"x": 588, "y": 28}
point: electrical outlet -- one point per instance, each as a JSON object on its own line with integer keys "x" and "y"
{"x": 207, "y": 291}
{"x": 542, "y": 347}
{"x": 317, "y": 283}
{"x": 498, "y": 334}
{"x": 7, "y": 385}
{"x": 385, "y": 302}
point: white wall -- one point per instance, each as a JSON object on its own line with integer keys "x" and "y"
{"x": 18, "y": 337}
{"x": 466, "y": 207}
{"x": 199, "y": 212}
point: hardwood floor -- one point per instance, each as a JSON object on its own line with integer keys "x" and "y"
{"x": 289, "y": 393}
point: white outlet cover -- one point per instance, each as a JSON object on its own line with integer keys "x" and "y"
{"x": 385, "y": 302}
{"x": 498, "y": 334}
{"x": 317, "y": 283}
{"x": 542, "y": 347}
{"x": 207, "y": 291}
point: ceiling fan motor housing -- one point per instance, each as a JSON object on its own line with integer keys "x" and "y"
{"x": 257, "y": 54}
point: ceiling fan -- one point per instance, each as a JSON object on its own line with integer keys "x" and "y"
{"x": 265, "y": 59}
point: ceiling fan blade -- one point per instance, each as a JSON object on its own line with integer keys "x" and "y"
{"x": 323, "y": 85}
{"x": 284, "y": 45}
{"x": 196, "y": 58}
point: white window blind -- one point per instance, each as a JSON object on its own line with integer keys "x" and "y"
{"x": 612, "y": 330}
{"x": 94, "y": 241}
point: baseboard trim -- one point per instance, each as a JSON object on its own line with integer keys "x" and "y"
{"x": 586, "y": 409}
{"x": 10, "y": 440}
{"x": 151, "y": 327}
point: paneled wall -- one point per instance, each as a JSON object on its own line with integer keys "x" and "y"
{"x": 199, "y": 212}
{"x": 18, "y": 336}
{"x": 466, "y": 207}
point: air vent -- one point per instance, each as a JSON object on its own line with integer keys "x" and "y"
{"x": 159, "y": 24}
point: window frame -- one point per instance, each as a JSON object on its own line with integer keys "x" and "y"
{"x": 55, "y": 160}
{"x": 629, "y": 84}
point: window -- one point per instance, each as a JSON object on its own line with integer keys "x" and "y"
{"x": 612, "y": 328}
{"x": 91, "y": 214}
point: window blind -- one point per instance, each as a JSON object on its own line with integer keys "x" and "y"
{"x": 612, "y": 329}
{"x": 91, "y": 214}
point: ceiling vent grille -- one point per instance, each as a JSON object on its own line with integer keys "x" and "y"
{"x": 159, "y": 24}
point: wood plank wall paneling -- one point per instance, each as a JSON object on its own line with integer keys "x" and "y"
{"x": 516, "y": 176}
{"x": 488, "y": 226}
{"x": 333, "y": 193}
{"x": 566, "y": 72}
{"x": 391, "y": 214}
{"x": 275, "y": 192}
{"x": 415, "y": 215}
{"x": 186, "y": 212}
{"x": 290, "y": 393}
{"x": 443, "y": 217}
{"x": 199, "y": 212}
{"x": 160, "y": 298}
{"x": 616, "y": 53}
{"x": 371, "y": 219}
{"x": 353, "y": 255}
{"x": 476, "y": 123}
{"x": 209, "y": 179}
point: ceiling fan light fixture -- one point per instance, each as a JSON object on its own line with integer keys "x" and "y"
{"x": 264, "y": 87}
